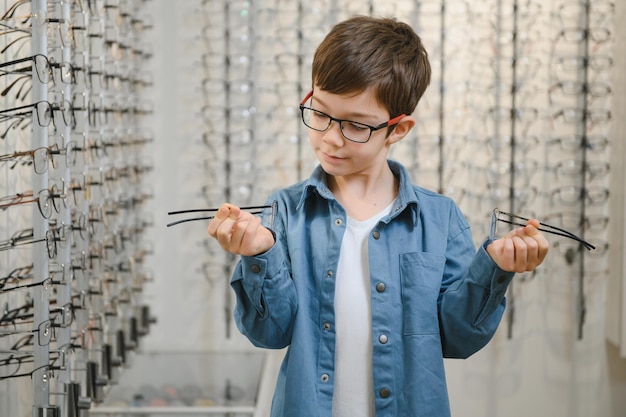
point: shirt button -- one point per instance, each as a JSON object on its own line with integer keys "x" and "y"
{"x": 383, "y": 339}
{"x": 385, "y": 393}
{"x": 376, "y": 234}
{"x": 326, "y": 326}
{"x": 325, "y": 378}
{"x": 338, "y": 222}
{"x": 500, "y": 280}
{"x": 329, "y": 274}
{"x": 255, "y": 268}
{"x": 380, "y": 287}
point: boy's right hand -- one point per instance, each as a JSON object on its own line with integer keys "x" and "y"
{"x": 240, "y": 232}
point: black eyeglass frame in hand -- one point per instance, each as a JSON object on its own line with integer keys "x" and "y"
{"x": 250, "y": 209}
{"x": 495, "y": 217}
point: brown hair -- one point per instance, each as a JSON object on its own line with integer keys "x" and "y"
{"x": 380, "y": 53}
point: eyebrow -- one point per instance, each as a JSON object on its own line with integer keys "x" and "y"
{"x": 355, "y": 114}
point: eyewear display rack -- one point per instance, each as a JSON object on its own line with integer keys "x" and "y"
{"x": 249, "y": 76}
{"x": 517, "y": 117}
{"x": 73, "y": 185}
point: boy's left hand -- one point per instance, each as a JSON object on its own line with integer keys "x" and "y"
{"x": 520, "y": 250}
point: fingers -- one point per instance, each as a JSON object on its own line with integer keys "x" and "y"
{"x": 526, "y": 252}
{"x": 243, "y": 231}
{"x": 226, "y": 227}
{"x": 239, "y": 232}
{"x": 520, "y": 250}
{"x": 535, "y": 240}
{"x": 508, "y": 253}
{"x": 224, "y": 219}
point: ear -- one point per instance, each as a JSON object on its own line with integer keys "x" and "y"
{"x": 402, "y": 129}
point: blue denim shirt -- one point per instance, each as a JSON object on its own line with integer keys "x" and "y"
{"x": 433, "y": 296}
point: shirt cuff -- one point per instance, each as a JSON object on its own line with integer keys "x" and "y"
{"x": 266, "y": 264}
{"x": 488, "y": 274}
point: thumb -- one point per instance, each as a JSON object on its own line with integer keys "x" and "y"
{"x": 227, "y": 211}
{"x": 532, "y": 227}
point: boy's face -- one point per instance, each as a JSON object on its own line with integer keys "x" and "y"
{"x": 341, "y": 157}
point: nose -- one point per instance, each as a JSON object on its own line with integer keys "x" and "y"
{"x": 333, "y": 134}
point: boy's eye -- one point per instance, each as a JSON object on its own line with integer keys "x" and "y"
{"x": 319, "y": 115}
{"x": 354, "y": 126}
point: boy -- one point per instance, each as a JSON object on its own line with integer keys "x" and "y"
{"x": 369, "y": 280}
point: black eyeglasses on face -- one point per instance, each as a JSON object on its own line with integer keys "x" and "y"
{"x": 351, "y": 130}
{"x": 251, "y": 209}
{"x": 501, "y": 216}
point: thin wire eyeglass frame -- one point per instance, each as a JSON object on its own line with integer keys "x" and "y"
{"x": 495, "y": 217}
{"x": 251, "y": 209}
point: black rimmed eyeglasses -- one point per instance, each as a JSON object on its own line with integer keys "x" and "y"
{"x": 40, "y": 65}
{"x": 250, "y": 209}
{"x": 504, "y": 217}
{"x": 353, "y": 131}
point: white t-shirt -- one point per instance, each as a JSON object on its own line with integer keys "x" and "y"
{"x": 354, "y": 388}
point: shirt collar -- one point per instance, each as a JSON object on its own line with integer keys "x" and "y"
{"x": 316, "y": 184}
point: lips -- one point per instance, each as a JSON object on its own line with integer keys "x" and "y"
{"x": 331, "y": 158}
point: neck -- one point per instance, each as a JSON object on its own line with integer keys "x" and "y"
{"x": 363, "y": 196}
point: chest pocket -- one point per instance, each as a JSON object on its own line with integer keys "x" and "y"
{"x": 420, "y": 276}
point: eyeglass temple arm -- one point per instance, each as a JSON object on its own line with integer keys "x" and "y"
{"x": 189, "y": 220}
{"x": 14, "y": 155}
{"x": 256, "y": 208}
{"x": 11, "y": 243}
{"x": 15, "y": 62}
{"x": 214, "y": 209}
{"x": 306, "y": 98}
{"x": 527, "y": 219}
{"x": 549, "y": 229}
{"x": 18, "y": 108}
{"x": 200, "y": 218}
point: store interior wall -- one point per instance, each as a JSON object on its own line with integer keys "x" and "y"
{"x": 543, "y": 360}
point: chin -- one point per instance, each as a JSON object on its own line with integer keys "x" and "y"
{"x": 335, "y": 170}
